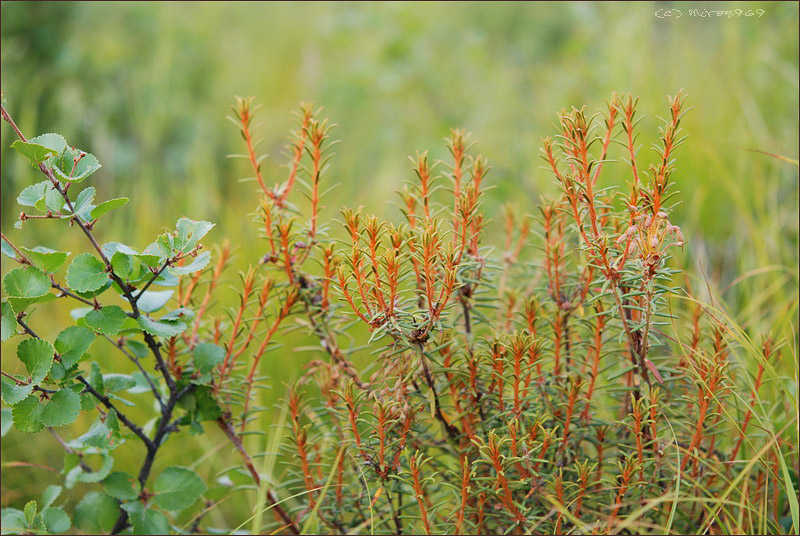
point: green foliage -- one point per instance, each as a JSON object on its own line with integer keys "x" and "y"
{"x": 177, "y": 488}
{"x": 108, "y": 320}
{"x": 450, "y": 391}
{"x": 86, "y": 273}
{"x": 55, "y": 391}
{"x": 96, "y": 513}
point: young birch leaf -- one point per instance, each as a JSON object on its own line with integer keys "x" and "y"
{"x": 67, "y": 170}
{"x": 13, "y": 392}
{"x": 152, "y": 300}
{"x": 72, "y": 343}
{"x": 56, "y": 520}
{"x": 27, "y": 415}
{"x": 86, "y": 273}
{"x": 146, "y": 520}
{"x": 33, "y": 193}
{"x": 77, "y": 474}
{"x": 49, "y": 496}
{"x": 83, "y": 200}
{"x": 37, "y": 355}
{"x": 52, "y": 201}
{"x": 109, "y": 320}
{"x": 190, "y": 232}
{"x": 121, "y": 486}
{"x": 46, "y": 259}
{"x": 207, "y": 356}
{"x": 177, "y": 488}
{"x": 6, "y": 421}
{"x": 62, "y": 409}
{"x": 8, "y": 321}
{"x": 26, "y": 282}
{"x": 35, "y": 153}
{"x": 7, "y": 250}
{"x": 51, "y": 140}
{"x": 199, "y": 262}
{"x": 107, "y": 206}
{"x": 159, "y": 328}
{"x": 96, "y": 513}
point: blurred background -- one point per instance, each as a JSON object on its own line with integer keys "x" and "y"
{"x": 146, "y": 88}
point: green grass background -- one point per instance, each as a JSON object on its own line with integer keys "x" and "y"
{"x": 146, "y": 88}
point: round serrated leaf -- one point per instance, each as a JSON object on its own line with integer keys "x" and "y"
{"x": 72, "y": 343}
{"x": 34, "y": 152}
{"x": 108, "y": 320}
{"x": 56, "y": 520}
{"x": 86, "y": 273}
{"x": 49, "y": 260}
{"x": 62, "y": 409}
{"x": 37, "y": 355}
{"x": 161, "y": 329}
{"x": 152, "y": 300}
{"x": 8, "y": 321}
{"x": 207, "y": 356}
{"x": 26, "y": 282}
{"x": 26, "y": 415}
{"x": 146, "y": 520}
{"x": 96, "y": 513}
{"x": 106, "y": 206}
{"x": 177, "y": 488}
{"x": 121, "y": 486}
{"x": 13, "y": 392}
{"x": 31, "y": 195}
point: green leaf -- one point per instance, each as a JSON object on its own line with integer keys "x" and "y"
{"x": 52, "y": 201}
{"x": 152, "y": 300}
{"x": 13, "y": 521}
{"x": 8, "y": 321}
{"x": 96, "y": 513}
{"x": 200, "y": 262}
{"x": 7, "y": 250}
{"x": 32, "y": 194}
{"x": 26, "y": 282}
{"x": 6, "y": 421}
{"x": 108, "y": 320}
{"x": 12, "y": 392}
{"x": 30, "y": 512}
{"x": 146, "y": 520}
{"x": 118, "y": 382}
{"x": 177, "y": 488}
{"x": 207, "y": 356}
{"x": 37, "y": 355}
{"x": 121, "y": 486}
{"x": 46, "y": 259}
{"x": 77, "y": 474}
{"x": 20, "y": 304}
{"x": 207, "y": 407}
{"x": 83, "y": 202}
{"x": 50, "y": 495}
{"x": 62, "y": 409}
{"x": 107, "y": 206}
{"x": 161, "y": 329}
{"x": 56, "y": 520}
{"x": 65, "y": 162}
{"x": 35, "y": 153}
{"x": 72, "y": 343}
{"x": 51, "y": 140}
{"x": 27, "y": 414}
{"x": 103, "y": 434}
{"x": 190, "y": 233}
{"x": 86, "y": 273}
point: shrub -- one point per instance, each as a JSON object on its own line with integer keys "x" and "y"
{"x": 459, "y": 387}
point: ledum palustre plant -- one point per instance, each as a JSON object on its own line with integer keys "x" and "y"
{"x": 566, "y": 379}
